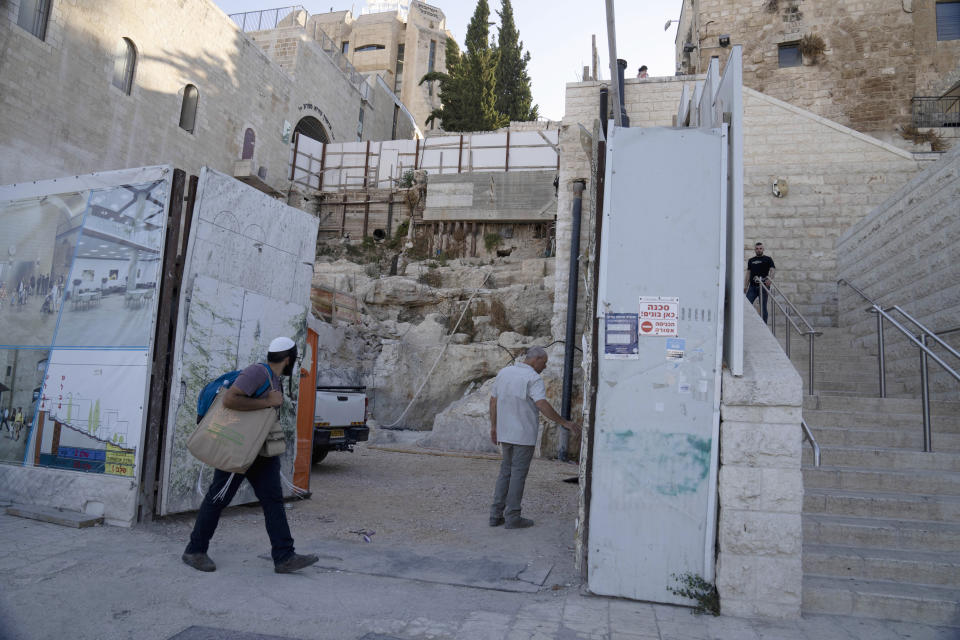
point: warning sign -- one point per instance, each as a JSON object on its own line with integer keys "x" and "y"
{"x": 658, "y": 316}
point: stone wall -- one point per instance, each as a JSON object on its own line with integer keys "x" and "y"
{"x": 834, "y": 175}
{"x": 905, "y": 253}
{"x": 760, "y": 537}
{"x": 61, "y": 114}
{"x": 878, "y": 56}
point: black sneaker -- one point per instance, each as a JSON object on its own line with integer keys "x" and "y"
{"x": 519, "y": 523}
{"x": 199, "y": 561}
{"x": 295, "y": 563}
{"x": 496, "y": 522}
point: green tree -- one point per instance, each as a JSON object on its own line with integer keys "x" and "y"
{"x": 514, "y": 97}
{"x": 467, "y": 89}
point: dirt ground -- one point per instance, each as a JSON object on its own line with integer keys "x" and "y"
{"x": 420, "y": 502}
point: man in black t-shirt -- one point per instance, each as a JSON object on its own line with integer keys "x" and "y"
{"x": 760, "y": 268}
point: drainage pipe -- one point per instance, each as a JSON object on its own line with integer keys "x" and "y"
{"x": 621, "y": 69}
{"x": 604, "y": 110}
{"x": 572, "y": 286}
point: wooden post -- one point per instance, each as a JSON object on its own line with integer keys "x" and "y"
{"x": 506, "y": 163}
{"x": 54, "y": 440}
{"x": 366, "y": 168}
{"x": 390, "y": 214}
{"x": 416, "y": 155}
{"x": 460, "y": 156}
{"x": 167, "y": 311}
{"x": 296, "y": 145}
{"x": 323, "y": 166}
{"x": 343, "y": 214}
{"x": 366, "y": 212}
{"x": 473, "y": 239}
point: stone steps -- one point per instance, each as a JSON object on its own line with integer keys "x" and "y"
{"x": 886, "y": 438}
{"x": 918, "y": 567}
{"x": 882, "y": 504}
{"x": 881, "y": 518}
{"x": 881, "y": 533}
{"x": 933, "y": 605}
{"x": 902, "y": 422}
{"x": 876, "y": 458}
{"x": 906, "y": 481}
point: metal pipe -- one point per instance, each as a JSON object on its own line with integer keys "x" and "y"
{"x": 621, "y": 69}
{"x": 572, "y": 283}
{"x": 810, "y": 364}
{"x": 604, "y": 110}
{"x": 925, "y": 395}
{"x": 787, "y": 334}
{"x": 612, "y": 47}
{"x": 880, "y": 357}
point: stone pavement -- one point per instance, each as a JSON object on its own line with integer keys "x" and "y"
{"x": 112, "y": 583}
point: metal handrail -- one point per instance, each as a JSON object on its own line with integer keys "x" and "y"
{"x": 808, "y": 434}
{"x": 808, "y": 331}
{"x": 920, "y": 342}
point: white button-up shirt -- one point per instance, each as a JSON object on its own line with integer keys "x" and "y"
{"x": 517, "y": 389}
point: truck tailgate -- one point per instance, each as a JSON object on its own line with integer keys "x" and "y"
{"x": 340, "y": 408}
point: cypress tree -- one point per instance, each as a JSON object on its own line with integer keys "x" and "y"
{"x": 514, "y": 96}
{"x": 467, "y": 89}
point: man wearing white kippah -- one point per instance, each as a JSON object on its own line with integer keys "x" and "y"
{"x": 517, "y": 398}
{"x": 263, "y": 474}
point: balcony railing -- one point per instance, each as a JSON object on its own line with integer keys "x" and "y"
{"x": 297, "y": 16}
{"x": 936, "y": 111}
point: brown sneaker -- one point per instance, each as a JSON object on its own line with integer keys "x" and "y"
{"x": 519, "y": 523}
{"x": 199, "y": 561}
{"x": 295, "y": 563}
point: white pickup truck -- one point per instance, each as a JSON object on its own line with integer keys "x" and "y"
{"x": 339, "y": 420}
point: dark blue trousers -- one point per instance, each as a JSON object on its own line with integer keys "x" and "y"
{"x": 264, "y": 477}
{"x": 755, "y": 291}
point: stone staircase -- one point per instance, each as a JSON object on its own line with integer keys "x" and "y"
{"x": 881, "y": 518}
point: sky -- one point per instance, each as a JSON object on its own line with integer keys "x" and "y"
{"x": 555, "y": 32}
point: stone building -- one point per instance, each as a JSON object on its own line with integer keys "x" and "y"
{"x": 99, "y": 86}
{"x": 870, "y": 65}
{"x": 401, "y": 45}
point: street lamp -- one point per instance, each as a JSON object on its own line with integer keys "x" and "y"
{"x": 668, "y": 23}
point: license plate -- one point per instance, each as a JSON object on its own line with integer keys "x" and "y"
{"x": 336, "y": 433}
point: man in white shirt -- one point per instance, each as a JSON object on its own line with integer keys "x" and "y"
{"x": 517, "y": 397}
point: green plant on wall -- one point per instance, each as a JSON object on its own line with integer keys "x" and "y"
{"x": 696, "y": 588}
{"x": 491, "y": 241}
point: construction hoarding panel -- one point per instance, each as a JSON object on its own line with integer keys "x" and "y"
{"x": 246, "y": 281}
{"x": 78, "y": 305}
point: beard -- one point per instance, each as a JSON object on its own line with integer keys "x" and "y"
{"x": 288, "y": 370}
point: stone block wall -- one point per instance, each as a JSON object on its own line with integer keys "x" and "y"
{"x": 61, "y": 115}
{"x": 878, "y": 56}
{"x": 834, "y": 177}
{"x": 905, "y": 253}
{"x": 760, "y": 537}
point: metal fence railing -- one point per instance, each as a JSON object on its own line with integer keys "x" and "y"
{"x": 936, "y": 112}
{"x": 297, "y": 16}
{"x": 292, "y": 16}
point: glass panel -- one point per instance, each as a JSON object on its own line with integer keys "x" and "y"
{"x": 948, "y": 21}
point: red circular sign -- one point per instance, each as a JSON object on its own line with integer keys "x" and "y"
{"x": 646, "y": 326}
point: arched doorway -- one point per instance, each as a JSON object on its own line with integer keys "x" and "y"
{"x": 310, "y": 127}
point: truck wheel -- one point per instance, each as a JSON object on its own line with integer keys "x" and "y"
{"x": 319, "y": 455}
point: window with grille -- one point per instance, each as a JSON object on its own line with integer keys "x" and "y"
{"x": 124, "y": 62}
{"x": 360, "y": 126}
{"x": 948, "y": 21}
{"x": 249, "y": 140}
{"x": 789, "y": 55}
{"x": 34, "y": 15}
{"x": 188, "y": 110}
